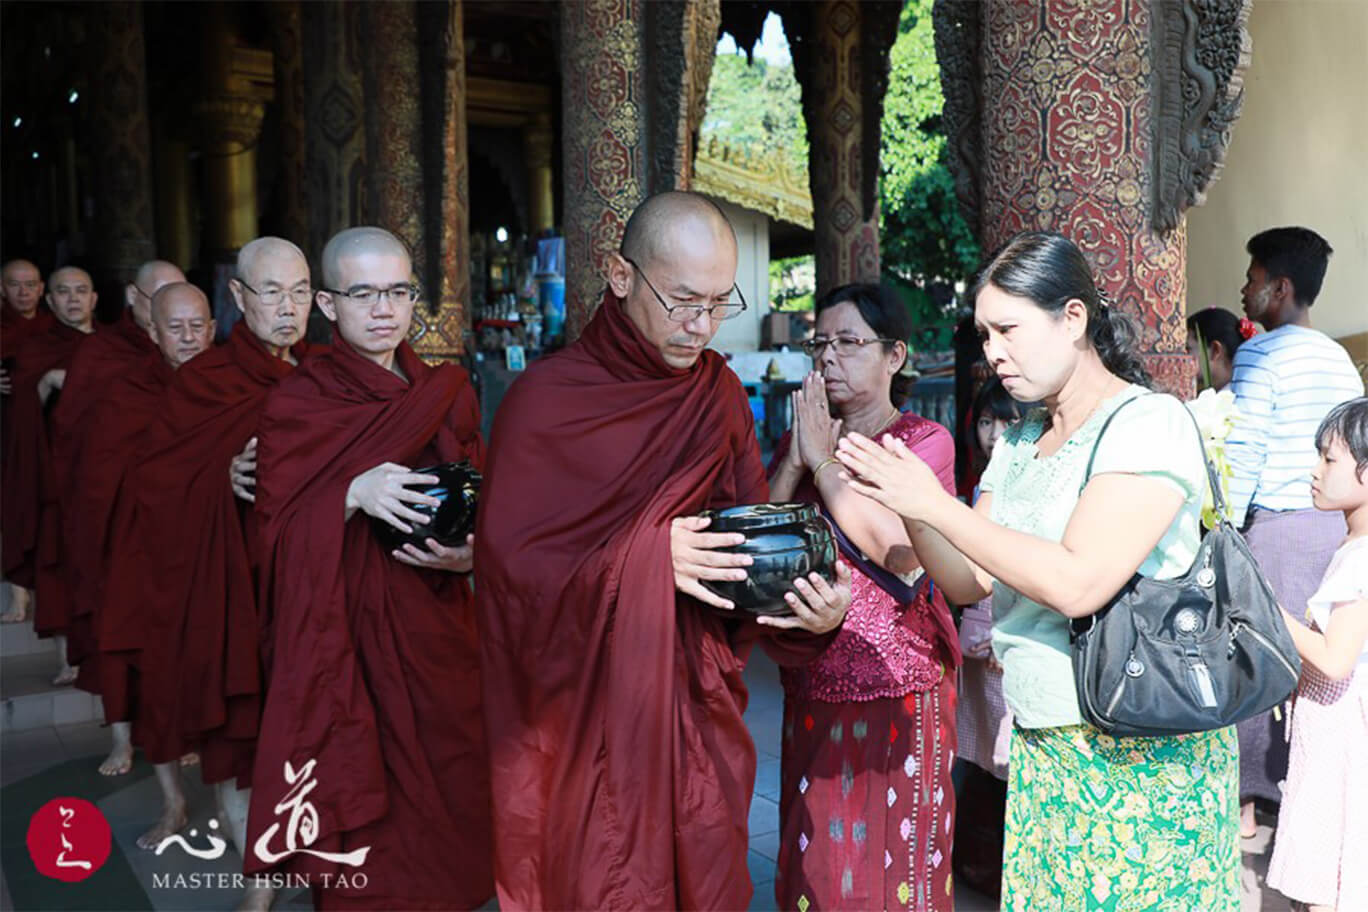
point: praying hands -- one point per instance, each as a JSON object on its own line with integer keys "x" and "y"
{"x": 891, "y": 474}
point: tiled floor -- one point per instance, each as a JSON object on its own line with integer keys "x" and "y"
{"x": 42, "y": 763}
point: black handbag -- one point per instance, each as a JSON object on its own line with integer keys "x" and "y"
{"x": 1189, "y": 654}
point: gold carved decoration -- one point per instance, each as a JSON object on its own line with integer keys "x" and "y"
{"x": 765, "y": 181}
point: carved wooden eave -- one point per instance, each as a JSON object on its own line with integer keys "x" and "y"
{"x": 763, "y": 181}
{"x": 1200, "y": 51}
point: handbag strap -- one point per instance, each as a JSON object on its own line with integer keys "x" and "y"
{"x": 1212, "y": 478}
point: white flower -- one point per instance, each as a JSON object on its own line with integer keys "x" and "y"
{"x": 1216, "y": 415}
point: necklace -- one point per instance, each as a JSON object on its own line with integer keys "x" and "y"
{"x": 880, "y": 429}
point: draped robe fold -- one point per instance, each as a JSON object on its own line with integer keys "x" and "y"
{"x": 374, "y": 667}
{"x": 622, "y": 770}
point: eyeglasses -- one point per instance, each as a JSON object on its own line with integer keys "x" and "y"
{"x": 686, "y": 313}
{"x": 271, "y": 297}
{"x": 843, "y": 346}
{"x": 366, "y": 295}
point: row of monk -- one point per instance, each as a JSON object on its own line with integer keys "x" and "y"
{"x": 555, "y": 705}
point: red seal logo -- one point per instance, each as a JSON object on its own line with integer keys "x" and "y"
{"x": 68, "y": 839}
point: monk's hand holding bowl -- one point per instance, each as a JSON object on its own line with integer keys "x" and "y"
{"x": 381, "y": 492}
{"x": 242, "y": 472}
{"x": 437, "y": 557}
{"x": 821, "y": 607}
{"x": 815, "y": 432}
{"x": 693, "y": 555}
{"x": 6, "y": 387}
{"x": 890, "y": 474}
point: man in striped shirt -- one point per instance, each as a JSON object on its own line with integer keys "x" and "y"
{"x": 1285, "y": 382}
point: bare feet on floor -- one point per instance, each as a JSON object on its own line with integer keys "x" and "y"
{"x": 119, "y": 761}
{"x": 1249, "y": 826}
{"x": 171, "y": 821}
{"x": 16, "y": 615}
{"x": 190, "y": 759}
{"x": 66, "y": 676}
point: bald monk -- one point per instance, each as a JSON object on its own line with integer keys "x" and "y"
{"x": 21, "y": 287}
{"x": 622, "y": 769}
{"x": 25, "y": 467}
{"x": 182, "y": 328}
{"x": 100, "y": 358}
{"x": 374, "y": 690}
{"x": 198, "y": 660}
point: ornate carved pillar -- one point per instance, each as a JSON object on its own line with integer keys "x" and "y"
{"x": 841, "y": 60}
{"x": 394, "y": 131}
{"x": 681, "y": 37}
{"x": 1102, "y": 123}
{"x": 123, "y": 216}
{"x": 603, "y": 141}
{"x": 541, "y": 191}
{"x": 334, "y": 105}
{"x": 292, "y": 181}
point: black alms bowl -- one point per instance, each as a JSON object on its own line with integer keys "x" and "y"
{"x": 786, "y": 541}
{"x": 458, "y": 488}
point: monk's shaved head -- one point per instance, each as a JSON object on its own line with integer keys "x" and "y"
{"x": 151, "y": 276}
{"x": 647, "y": 236}
{"x": 255, "y": 257}
{"x": 356, "y": 242}
{"x": 20, "y": 265}
{"x": 22, "y": 285}
{"x": 182, "y": 322}
{"x": 67, "y": 274}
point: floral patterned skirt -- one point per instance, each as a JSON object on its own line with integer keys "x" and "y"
{"x": 866, "y": 806}
{"x": 1096, "y": 822}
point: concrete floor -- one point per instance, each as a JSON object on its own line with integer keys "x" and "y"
{"x": 46, "y": 762}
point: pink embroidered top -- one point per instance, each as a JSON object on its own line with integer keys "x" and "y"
{"x": 884, "y": 649}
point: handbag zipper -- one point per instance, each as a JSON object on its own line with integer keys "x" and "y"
{"x": 1116, "y": 696}
{"x": 1241, "y": 627}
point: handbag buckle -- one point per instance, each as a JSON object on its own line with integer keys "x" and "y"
{"x": 1206, "y": 577}
{"x": 1134, "y": 667}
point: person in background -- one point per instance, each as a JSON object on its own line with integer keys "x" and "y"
{"x": 1285, "y": 382}
{"x": 985, "y": 722}
{"x": 1322, "y": 843}
{"x": 1220, "y": 332}
{"x": 869, "y": 725}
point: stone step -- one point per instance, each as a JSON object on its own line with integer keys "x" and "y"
{"x": 28, "y": 699}
{"x": 20, "y": 640}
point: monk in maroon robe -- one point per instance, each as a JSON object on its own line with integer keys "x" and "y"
{"x": 374, "y": 683}
{"x": 622, "y": 770}
{"x": 194, "y": 623}
{"x": 26, "y": 468}
{"x": 114, "y": 429}
{"x": 21, "y": 314}
{"x": 99, "y": 359}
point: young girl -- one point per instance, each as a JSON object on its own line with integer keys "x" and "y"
{"x": 985, "y": 723}
{"x": 1320, "y": 858}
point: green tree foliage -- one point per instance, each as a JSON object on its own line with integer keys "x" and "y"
{"x": 755, "y": 105}
{"x": 926, "y": 244}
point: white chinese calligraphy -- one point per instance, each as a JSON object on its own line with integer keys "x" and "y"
{"x": 216, "y": 848}
{"x": 68, "y": 814}
{"x": 302, "y": 828}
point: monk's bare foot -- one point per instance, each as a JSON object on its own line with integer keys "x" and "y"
{"x": 171, "y": 821}
{"x": 119, "y": 761}
{"x": 15, "y": 615}
{"x": 256, "y": 899}
{"x": 64, "y": 677}
{"x": 190, "y": 759}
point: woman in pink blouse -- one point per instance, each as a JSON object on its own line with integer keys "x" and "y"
{"x": 866, "y": 809}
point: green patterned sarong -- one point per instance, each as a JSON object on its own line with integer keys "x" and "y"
{"x": 1121, "y": 824}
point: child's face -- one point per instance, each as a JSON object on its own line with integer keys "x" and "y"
{"x": 989, "y": 428}
{"x": 1335, "y": 481}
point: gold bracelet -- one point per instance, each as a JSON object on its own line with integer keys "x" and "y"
{"x": 822, "y": 465}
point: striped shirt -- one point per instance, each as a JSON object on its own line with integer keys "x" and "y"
{"x": 1285, "y": 382}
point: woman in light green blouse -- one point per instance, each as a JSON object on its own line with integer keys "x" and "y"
{"x": 1093, "y": 821}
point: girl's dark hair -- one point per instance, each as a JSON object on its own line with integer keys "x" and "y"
{"x": 884, "y": 311}
{"x": 1347, "y": 421}
{"x": 1050, "y": 270}
{"x": 992, "y": 398}
{"x": 1216, "y": 324}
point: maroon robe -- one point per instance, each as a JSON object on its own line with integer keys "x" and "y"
{"x": 114, "y": 429}
{"x": 100, "y": 358}
{"x": 184, "y": 565}
{"x": 24, "y": 465}
{"x": 14, "y": 329}
{"x": 374, "y": 673}
{"x": 622, "y": 770}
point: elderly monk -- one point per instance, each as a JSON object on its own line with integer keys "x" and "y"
{"x": 182, "y": 327}
{"x": 25, "y": 467}
{"x": 198, "y": 657}
{"x": 21, "y": 288}
{"x": 622, "y": 769}
{"x": 99, "y": 359}
{"x": 375, "y": 689}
